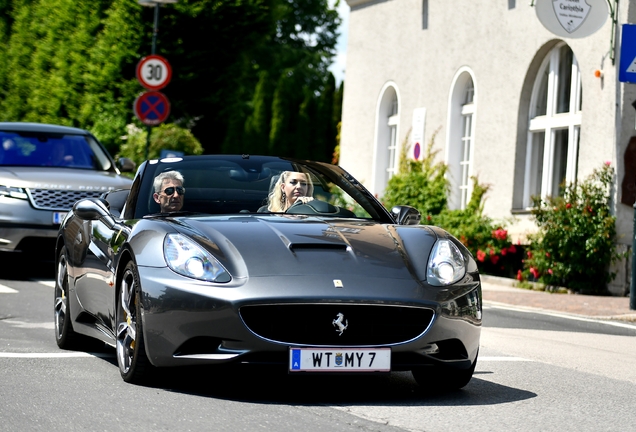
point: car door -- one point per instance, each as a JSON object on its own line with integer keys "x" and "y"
{"x": 95, "y": 277}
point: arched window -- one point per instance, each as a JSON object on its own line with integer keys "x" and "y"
{"x": 386, "y": 148}
{"x": 461, "y": 139}
{"x": 554, "y": 126}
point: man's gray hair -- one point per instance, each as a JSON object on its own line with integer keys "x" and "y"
{"x": 168, "y": 175}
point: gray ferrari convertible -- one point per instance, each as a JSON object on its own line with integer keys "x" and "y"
{"x": 218, "y": 259}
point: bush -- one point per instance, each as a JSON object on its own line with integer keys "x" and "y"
{"x": 164, "y": 137}
{"x": 574, "y": 245}
{"x": 420, "y": 184}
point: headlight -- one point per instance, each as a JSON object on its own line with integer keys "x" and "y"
{"x": 13, "y": 192}
{"x": 446, "y": 264}
{"x": 189, "y": 259}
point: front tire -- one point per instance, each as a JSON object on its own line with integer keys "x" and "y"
{"x": 134, "y": 365}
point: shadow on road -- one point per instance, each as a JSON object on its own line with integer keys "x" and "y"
{"x": 266, "y": 386}
{"x": 19, "y": 266}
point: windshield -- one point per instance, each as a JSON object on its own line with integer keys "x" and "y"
{"x": 39, "y": 149}
{"x": 232, "y": 185}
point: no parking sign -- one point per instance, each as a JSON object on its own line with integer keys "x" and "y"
{"x": 152, "y": 108}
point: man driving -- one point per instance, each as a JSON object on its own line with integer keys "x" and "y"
{"x": 169, "y": 191}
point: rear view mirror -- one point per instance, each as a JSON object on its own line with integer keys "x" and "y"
{"x": 125, "y": 165}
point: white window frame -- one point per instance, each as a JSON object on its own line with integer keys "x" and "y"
{"x": 386, "y": 146}
{"x": 466, "y": 146}
{"x": 548, "y": 125}
{"x": 460, "y": 143}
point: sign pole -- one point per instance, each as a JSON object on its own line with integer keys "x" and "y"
{"x": 153, "y": 51}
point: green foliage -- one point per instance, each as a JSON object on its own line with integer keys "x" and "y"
{"x": 420, "y": 184}
{"x": 164, "y": 137}
{"x": 73, "y": 62}
{"x": 575, "y": 244}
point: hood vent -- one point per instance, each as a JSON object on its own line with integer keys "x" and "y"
{"x": 318, "y": 246}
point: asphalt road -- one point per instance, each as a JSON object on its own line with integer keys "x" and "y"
{"x": 535, "y": 372}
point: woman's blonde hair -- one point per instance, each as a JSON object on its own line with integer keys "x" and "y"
{"x": 279, "y": 203}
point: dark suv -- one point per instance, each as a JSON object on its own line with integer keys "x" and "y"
{"x": 44, "y": 169}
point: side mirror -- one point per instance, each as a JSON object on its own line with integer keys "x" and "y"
{"x": 125, "y": 165}
{"x": 94, "y": 209}
{"x": 406, "y": 215}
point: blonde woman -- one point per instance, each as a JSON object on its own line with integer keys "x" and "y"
{"x": 290, "y": 187}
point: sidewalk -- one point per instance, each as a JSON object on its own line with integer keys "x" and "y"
{"x": 501, "y": 290}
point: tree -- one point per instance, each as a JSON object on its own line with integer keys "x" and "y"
{"x": 73, "y": 62}
{"x": 163, "y": 137}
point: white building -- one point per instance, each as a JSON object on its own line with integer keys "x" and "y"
{"x": 512, "y": 103}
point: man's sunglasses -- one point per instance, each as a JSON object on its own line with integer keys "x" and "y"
{"x": 170, "y": 190}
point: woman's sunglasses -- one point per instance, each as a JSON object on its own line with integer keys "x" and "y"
{"x": 170, "y": 190}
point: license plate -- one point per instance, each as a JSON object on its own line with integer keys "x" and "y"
{"x": 340, "y": 360}
{"x": 58, "y": 217}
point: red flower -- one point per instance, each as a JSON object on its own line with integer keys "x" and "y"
{"x": 429, "y": 218}
{"x": 568, "y": 206}
{"x": 500, "y": 234}
{"x": 535, "y": 272}
{"x": 512, "y": 249}
{"x": 529, "y": 254}
{"x": 481, "y": 256}
{"x": 519, "y": 275}
{"x": 547, "y": 254}
{"x": 504, "y": 252}
{"x": 494, "y": 259}
{"x": 550, "y": 271}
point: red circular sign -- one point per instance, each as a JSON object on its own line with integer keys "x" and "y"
{"x": 154, "y": 72}
{"x": 152, "y": 108}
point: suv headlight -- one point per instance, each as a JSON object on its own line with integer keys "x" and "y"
{"x": 13, "y": 192}
{"x": 187, "y": 258}
{"x": 446, "y": 264}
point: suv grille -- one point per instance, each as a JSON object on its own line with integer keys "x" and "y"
{"x": 55, "y": 199}
{"x": 367, "y": 325}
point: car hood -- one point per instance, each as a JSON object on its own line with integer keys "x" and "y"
{"x": 302, "y": 246}
{"x": 62, "y": 178}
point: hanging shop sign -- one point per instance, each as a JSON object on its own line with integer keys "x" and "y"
{"x": 572, "y": 18}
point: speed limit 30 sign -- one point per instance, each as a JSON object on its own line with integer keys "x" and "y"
{"x": 154, "y": 72}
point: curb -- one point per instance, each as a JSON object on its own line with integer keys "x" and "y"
{"x": 628, "y": 318}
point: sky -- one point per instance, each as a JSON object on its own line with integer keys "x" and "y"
{"x": 338, "y": 67}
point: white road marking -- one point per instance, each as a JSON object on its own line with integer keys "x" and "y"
{"x": 55, "y": 355}
{"x": 502, "y": 359}
{"x": 49, "y": 325}
{"x": 7, "y": 290}
{"x": 48, "y": 283}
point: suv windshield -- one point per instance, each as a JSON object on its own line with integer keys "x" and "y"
{"x": 37, "y": 149}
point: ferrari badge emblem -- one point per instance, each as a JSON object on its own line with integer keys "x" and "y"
{"x": 340, "y": 323}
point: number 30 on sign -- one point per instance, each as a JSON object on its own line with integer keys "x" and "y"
{"x": 154, "y": 72}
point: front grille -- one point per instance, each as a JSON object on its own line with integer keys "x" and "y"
{"x": 367, "y": 325}
{"x": 55, "y": 199}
